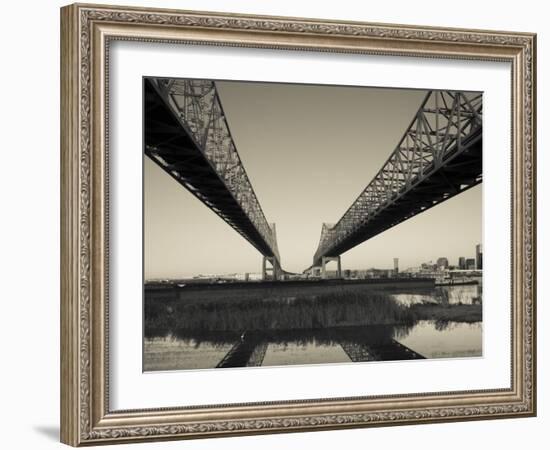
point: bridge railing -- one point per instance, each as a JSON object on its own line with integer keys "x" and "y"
{"x": 199, "y": 109}
{"x": 443, "y": 123}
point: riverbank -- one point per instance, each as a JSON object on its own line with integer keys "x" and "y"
{"x": 239, "y": 292}
{"x": 454, "y": 313}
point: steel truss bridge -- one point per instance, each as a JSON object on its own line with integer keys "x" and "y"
{"x": 187, "y": 135}
{"x": 438, "y": 156}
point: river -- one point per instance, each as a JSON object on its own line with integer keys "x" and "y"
{"x": 290, "y": 331}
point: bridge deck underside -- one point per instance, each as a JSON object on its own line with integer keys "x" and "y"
{"x": 456, "y": 175}
{"x": 169, "y": 145}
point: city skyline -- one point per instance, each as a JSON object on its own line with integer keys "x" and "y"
{"x": 394, "y": 265}
{"x": 290, "y": 142}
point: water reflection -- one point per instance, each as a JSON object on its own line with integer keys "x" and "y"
{"x": 277, "y": 347}
{"x": 283, "y": 347}
{"x": 453, "y": 340}
{"x": 218, "y": 331}
{"x": 168, "y": 353}
{"x": 453, "y": 295}
{"x": 425, "y": 339}
{"x": 312, "y": 353}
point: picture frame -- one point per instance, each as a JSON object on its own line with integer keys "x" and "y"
{"x": 87, "y": 32}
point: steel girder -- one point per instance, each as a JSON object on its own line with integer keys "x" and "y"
{"x": 438, "y": 156}
{"x": 187, "y": 135}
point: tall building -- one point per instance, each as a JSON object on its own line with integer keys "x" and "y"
{"x": 470, "y": 264}
{"x": 442, "y": 263}
{"x": 462, "y": 263}
{"x": 396, "y": 265}
{"x": 479, "y": 257}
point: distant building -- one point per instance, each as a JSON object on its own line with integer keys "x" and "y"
{"x": 471, "y": 264}
{"x": 396, "y": 265}
{"x": 479, "y": 257}
{"x": 462, "y": 263}
{"x": 442, "y": 263}
{"x": 376, "y": 273}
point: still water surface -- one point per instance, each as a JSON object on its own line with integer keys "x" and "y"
{"x": 426, "y": 338}
{"x": 453, "y": 295}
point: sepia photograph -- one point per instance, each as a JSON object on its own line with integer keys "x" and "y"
{"x": 296, "y": 224}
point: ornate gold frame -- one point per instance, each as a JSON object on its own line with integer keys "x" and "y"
{"x": 86, "y": 31}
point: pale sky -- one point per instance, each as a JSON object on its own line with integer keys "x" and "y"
{"x": 308, "y": 151}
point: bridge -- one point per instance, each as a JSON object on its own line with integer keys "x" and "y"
{"x": 186, "y": 134}
{"x": 438, "y": 156}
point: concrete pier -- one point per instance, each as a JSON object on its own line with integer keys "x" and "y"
{"x": 273, "y": 268}
{"x": 325, "y": 260}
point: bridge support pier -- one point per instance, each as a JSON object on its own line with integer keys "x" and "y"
{"x": 313, "y": 271}
{"x": 327, "y": 259}
{"x": 274, "y": 269}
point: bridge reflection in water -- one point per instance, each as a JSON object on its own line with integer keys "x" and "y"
{"x": 182, "y": 350}
{"x": 373, "y": 343}
{"x": 249, "y": 348}
{"x": 199, "y": 329}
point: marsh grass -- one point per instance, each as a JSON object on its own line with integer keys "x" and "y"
{"x": 272, "y": 313}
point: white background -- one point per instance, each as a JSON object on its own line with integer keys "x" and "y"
{"x": 132, "y": 389}
{"x": 29, "y": 245}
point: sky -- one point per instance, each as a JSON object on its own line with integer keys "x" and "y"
{"x": 308, "y": 151}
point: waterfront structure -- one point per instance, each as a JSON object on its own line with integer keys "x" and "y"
{"x": 428, "y": 267}
{"x": 479, "y": 257}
